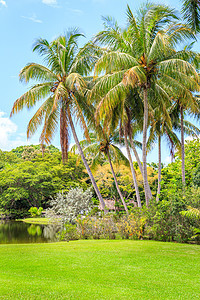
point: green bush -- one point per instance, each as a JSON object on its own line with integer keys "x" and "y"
{"x": 69, "y": 233}
{"x": 132, "y": 226}
{"x": 35, "y": 212}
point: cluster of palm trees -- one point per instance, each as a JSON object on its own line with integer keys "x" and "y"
{"x": 123, "y": 82}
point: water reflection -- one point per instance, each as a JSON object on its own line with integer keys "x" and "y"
{"x": 13, "y": 232}
{"x": 35, "y": 230}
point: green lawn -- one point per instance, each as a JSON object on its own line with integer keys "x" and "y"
{"x": 39, "y": 221}
{"x": 100, "y": 270}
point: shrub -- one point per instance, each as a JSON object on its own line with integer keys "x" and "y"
{"x": 132, "y": 227}
{"x": 68, "y": 206}
{"x": 35, "y": 212}
{"x": 69, "y": 233}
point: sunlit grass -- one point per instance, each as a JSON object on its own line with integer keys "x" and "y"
{"x": 100, "y": 270}
{"x": 38, "y": 221}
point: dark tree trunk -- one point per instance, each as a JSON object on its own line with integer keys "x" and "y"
{"x": 85, "y": 162}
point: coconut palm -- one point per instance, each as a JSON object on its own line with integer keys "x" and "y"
{"x": 62, "y": 87}
{"x": 189, "y": 103}
{"x": 142, "y": 55}
{"x": 102, "y": 147}
{"x": 119, "y": 122}
{"x": 161, "y": 126}
{"x": 191, "y": 13}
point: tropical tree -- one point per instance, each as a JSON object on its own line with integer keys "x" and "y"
{"x": 102, "y": 147}
{"x": 131, "y": 165}
{"x": 160, "y": 125}
{"x": 63, "y": 88}
{"x": 191, "y": 13}
{"x": 143, "y": 55}
{"x": 190, "y": 103}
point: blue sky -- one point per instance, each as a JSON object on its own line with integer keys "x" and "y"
{"x": 23, "y": 21}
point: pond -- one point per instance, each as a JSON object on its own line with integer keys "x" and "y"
{"x": 14, "y": 232}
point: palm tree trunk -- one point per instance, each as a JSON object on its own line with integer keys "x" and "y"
{"x": 139, "y": 163}
{"x": 136, "y": 154}
{"x": 159, "y": 168}
{"x": 116, "y": 183}
{"x": 132, "y": 170}
{"x": 85, "y": 162}
{"x": 64, "y": 142}
{"x": 182, "y": 148}
{"x": 144, "y": 147}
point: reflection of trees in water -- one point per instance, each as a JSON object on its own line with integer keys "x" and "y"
{"x": 34, "y": 230}
{"x": 19, "y": 232}
{"x": 50, "y": 231}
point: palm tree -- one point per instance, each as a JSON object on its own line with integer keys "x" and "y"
{"x": 120, "y": 119}
{"x": 160, "y": 125}
{"x": 189, "y": 103}
{"x": 191, "y": 13}
{"x": 101, "y": 146}
{"x": 63, "y": 88}
{"x": 142, "y": 55}
{"x": 131, "y": 166}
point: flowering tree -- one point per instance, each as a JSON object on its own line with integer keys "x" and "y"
{"x": 68, "y": 206}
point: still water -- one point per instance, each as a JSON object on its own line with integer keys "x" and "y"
{"x": 12, "y": 232}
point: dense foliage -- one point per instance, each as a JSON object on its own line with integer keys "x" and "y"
{"x": 30, "y": 179}
{"x": 144, "y": 82}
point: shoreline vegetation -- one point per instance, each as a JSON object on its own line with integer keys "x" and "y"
{"x": 174, "y": 218}
{"x": 126, "y": 82}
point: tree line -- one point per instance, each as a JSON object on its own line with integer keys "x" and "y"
{"x": 123, "y": 82}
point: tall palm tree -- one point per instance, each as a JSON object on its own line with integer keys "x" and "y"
{"x": 191, "y": 13}
{"x": 142, "y": 55}
{"x": 189, "y": 103}
{"x": 131, "y": 166}
{"x": 120, "y": 118}
{"x": 161, "y": 126}
{"x": 101, "y": 146}
{"x": 63, "y": 87}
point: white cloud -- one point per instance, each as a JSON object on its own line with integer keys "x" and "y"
{"x": 168, "y": 160}
{"x": 3, "y": 3}
{"x": 77, "y": 11}
{"x": 9, "y": 138}
{"x": 50, "y": 2}
{"x": 33, "y": 18}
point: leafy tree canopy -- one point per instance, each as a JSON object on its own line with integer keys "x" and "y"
{"x": 25, "y": 183}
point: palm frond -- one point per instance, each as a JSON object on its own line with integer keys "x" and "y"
{"x": 37, "y": 72}
{"x": 38, "y": 117}
{"x": 114, "y": 61}
{"x": 30, "y": 98}
{"x": 191, "y": 12}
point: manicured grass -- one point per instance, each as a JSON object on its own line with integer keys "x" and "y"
{"x": 39, "y": 221}
{"x": 100, "y": 270}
